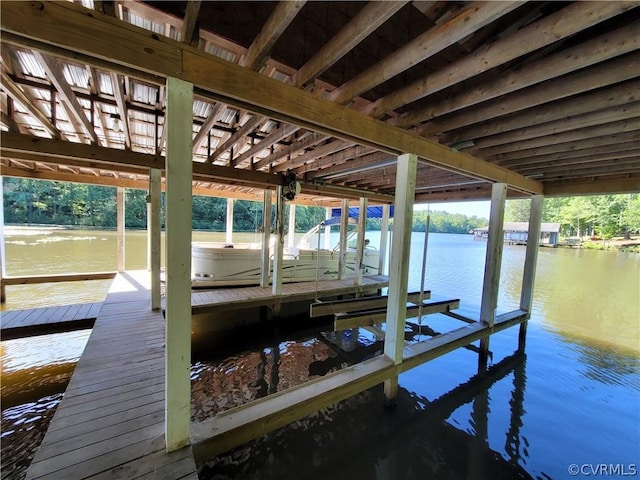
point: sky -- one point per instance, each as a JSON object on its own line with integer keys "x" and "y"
{"x": 479, "y": 209}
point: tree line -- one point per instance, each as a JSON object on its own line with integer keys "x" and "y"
{"x": 28, "y": 201}
{"x": 604, "y": 216}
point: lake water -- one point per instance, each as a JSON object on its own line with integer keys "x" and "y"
{"x": 573, "y": 397}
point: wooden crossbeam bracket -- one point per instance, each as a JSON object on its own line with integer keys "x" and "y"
{"x": 76, "y": 112}
{"x": 373, "y": 317}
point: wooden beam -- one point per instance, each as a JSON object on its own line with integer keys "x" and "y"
{"x": 535, "y": 36}
{"x": 593, "y": 186}
{"x": 190, "y": 23}
{"x": 399, "y": 268}
{"x": 370, "y": 318}
{"x": 154, "y": 230}
{"x": 57, "y": 278}
{"x": 344, "y": 160}
{"x": 18, "y": 95}
{"x": 214, "y": 116}
{"x": 580, "y": 135}
{"x": 289, "y": 150}
{"x": 615, "y": 96}
{"x": 365, "y": 163}
{"x": 582, "y": 155}
{"x": 493, "y": 258}
{"x": 321, "y": 151}
{"x": 72, "y": 177}
{"x": 118, "y": 93}
{"x": 93, "y": 156}
{"x": 178, "y": 262}
{"x": 359, "y": 27}
{"x": 237, "y": 426}
{"x": 277, "y": 23}
{"x": 65, "y": 25}
{"x": 275, "y": 136}
{"x": 597, "y": 145}
{"x": 76, "y": 112}
{"x": 276, "y": 282}
{"x": 248, "y": 126}
{"x": 266, "y": 239}
{"x": 628, "y": 111}
{"x": 531, "y": 255}
{"x": 349, "y": 305}
{"x": 568, "y": 87}
{"x": 557, "y": 66}
{"x": 472, "y": 18}
{"x": 120, "y": 229}
{"x": 612, "y": 165}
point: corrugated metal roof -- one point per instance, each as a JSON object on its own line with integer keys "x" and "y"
{"x": 106, "y": 85}
{"x": 28, "y": 64}
{"x": 221, "y": 52}
{"x": 201, "y": 109}
{"x": 143, "y": 93}
{"x": 76, "y": 76}
{"x": 138, "y": 21}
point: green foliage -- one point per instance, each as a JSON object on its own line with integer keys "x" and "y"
{"x": 517, "y": 210}
{"x": 46, "y": 202}
{"x": 604, "y": 216}
{"x": 443, "y": 222}
{"x": 74, "y": 204}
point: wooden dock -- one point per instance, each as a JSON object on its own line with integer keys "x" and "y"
{"x": 37, "y": 321}
{"x": 110, "y": 423}
{"x": 247, "y": 297}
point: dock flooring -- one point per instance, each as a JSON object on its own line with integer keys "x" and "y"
{"x": 243, "y": 297}
{"x": 110, "y": 423}
{"x": 23, "y": 323}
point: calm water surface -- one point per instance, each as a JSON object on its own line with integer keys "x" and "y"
{"x": 572, "y": 398}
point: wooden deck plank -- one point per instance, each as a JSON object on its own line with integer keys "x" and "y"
{"x": 111, "y": 419}
{"x": 244, "y": 297}
{"x": 47, "y": 316}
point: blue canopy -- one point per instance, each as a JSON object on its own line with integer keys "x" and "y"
{"x": 372, "y": 212}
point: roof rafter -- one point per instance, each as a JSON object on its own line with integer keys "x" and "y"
{"x": 66, "y": 26}
{"x": 613, "y": 72}
{"x": 539, "y": 34}
{"x": 118, "y": 93}
{"x": 616, "y": 96}
{"x": 434, "y": 40}
{"x": 76, "y": 111}
{"x": 18, "y": 95}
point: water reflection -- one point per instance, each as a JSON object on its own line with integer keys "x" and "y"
{"x": 35, "y": 373}
{"x": 354, "y": 439}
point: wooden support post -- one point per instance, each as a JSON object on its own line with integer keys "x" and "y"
{"x": 327, "y": 230}
{"x": 384, "y": 234}
{"x": 362, "y": 227}
{"x": 228, "y": 238}
{"x": 276, "y": 286}
{"x": 344, "y": 225}
{"x": 291, "y": 234}
{"x": 265, "y": 255}
{"x": 530, "y": 261}
{"x": 178, "y": 120}
{"x": 153, "y": 228}
{"x": 3, "y": 288}
{"x": 120, "y": 229}
{"x": 492, "y": 264}
{"x": 399, "y": 268}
